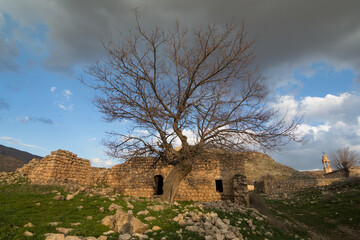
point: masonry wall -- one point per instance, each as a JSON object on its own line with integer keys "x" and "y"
{"x": 137, "y": 178}
{"x": 64, "y": 167}
{"x": 277, "y": 186}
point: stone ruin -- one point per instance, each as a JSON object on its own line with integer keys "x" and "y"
{"x": 211, "y": 179}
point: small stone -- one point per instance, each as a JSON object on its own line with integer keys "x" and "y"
{"x": 64, "y": 230}
{"x": 125, "y": 236}
{"x": 108, "y": 232}
{"x": 143, "y": 212}
{"x": 156, "y": 228}
{"x": 75, "y": 224}
{"x": 29, "y": 225}
{"x": 89, "y": 217}
{"x": 72, "y": 238}
{"x": 101, "y": 209}
{"x": 53, "y": 223}
{"x": 28, "y": 234}
{"x": 113, "y": 207}
{"x": 150, "y": 218}
{"x": 59, "y": 198}
{"x": 69, "y": 197}
{"x": 102, "y": 238}
{"x": 80, "y": 207}
{"x": 54, "y": 236}
{"x": 37, "y": 204}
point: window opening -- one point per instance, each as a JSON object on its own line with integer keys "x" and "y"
{"x": 219, "y": 185}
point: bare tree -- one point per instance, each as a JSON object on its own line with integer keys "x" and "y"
{"x": 201, "y": 90}
{"x": 344, "y": 158}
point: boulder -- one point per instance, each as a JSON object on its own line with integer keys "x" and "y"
{"x": 126, "y": 223}
{"x": 123, "y": 222}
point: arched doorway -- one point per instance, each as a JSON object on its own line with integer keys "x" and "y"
{"x": 159, "y": 183}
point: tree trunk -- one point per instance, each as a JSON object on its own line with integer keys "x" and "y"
{"x": 172, "y": 182}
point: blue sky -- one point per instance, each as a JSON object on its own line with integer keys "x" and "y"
{"x": 312, "y": 64}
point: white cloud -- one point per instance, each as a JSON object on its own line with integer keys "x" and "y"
{"x": 109, "y": 163}
{"x": 96, "y": 162}
{"x": 67, "y": 93}
{"x": 52, "y": 89}
{"x": 329, "y": 122}
{"x": 68, "y": 108}
{"x": 19, "y": 142}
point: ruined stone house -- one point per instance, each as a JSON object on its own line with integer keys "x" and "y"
{"x": 216, "y": 178}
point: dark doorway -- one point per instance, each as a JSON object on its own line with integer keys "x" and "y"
{"x": 159, "y": 183}
{"x": 219, "y": 185}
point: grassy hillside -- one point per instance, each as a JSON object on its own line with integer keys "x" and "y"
{"x": 11, "y": 158}
{"x": 329, "y": 212}
{"x": 259, "y": 165}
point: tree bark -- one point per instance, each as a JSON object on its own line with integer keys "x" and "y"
{"x": 172, "y": 182}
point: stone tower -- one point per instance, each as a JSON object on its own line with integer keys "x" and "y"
{"x": 326, "y": 164}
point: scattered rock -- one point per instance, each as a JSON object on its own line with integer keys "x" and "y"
{"x": 54, "y": 223}
{"x": 108, "y": 232}
{"x": 145, "y": 212}
{"x": 101, "y": 209}
{"x": 101, "y": 238}
{"x": 157, "y": 208}
{"x": 69, "y": 197}
{"x": 73, "y": 238}
{"x": 89, "y": 217}
{"x": 125, "y": 236}
{"x": 156, "y": 228}
{"x": 64, "y": 230}
{"x": 123, "y": 222}
{"x": 54, "y": 236}
{"x": 28, "y": 234}
{"x": 37, "y": 204}
{"x": 75, "y": 224}
{"x": 114, "y": 206}
{"x": 59, "y": 198}
{"x": 150, "y": 218}
{"x": 80, "y": 207}
{"x": 28, "y": 225}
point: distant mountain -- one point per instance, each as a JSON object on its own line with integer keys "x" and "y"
{"x": 11, "y": 158}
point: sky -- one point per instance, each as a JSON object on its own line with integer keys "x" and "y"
{"x": 308, "y": 51}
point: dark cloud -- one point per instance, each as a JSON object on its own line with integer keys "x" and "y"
{"x": 4, "y": 105}
{"x": 289, "y": 33}
{"x": 8, "y": 54}
{"x": 37, "y": 119}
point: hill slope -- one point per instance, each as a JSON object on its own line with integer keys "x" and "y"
{"x": 259, "y": 165}
{"x": 11, "y": 158}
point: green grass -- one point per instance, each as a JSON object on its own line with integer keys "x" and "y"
{"x": 320, "y": 210}
{"x": 327, "y": 210}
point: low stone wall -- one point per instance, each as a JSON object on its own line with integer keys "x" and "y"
{"x": 277, "y": 186}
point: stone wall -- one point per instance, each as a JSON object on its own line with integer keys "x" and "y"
{"x": 277, "y": 186}
{"x": 64, "y": 167}
{"x": 211, "y": 178}
{"x": 137, "y": 178}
